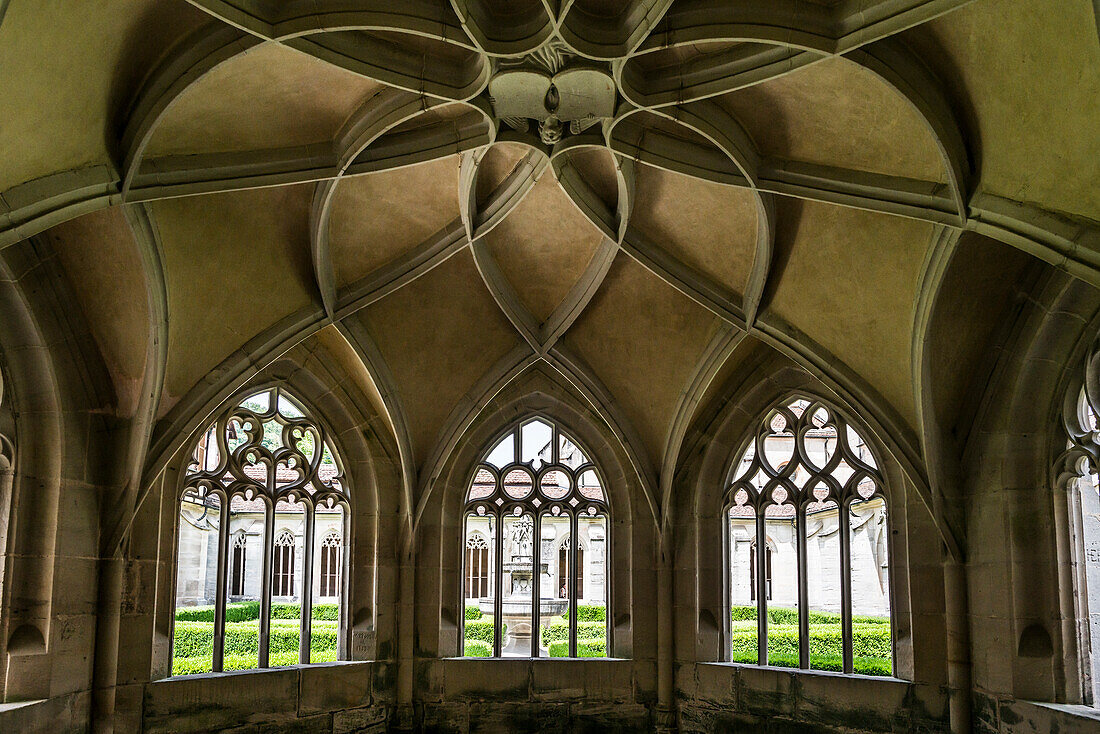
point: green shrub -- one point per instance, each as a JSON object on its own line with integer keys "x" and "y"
{"x": 482, "y": 630}
{"x": 781, "y": 615}
{"x": 586, "y": 648}
{"x": 473, "y": 612}
{"x": 249, "y": 611}
{"x": 560, "y": 631}
{"x": 870, "y": 645}
{"x": 190, "y": 666}
{"x": 193, "y": 639}
{"x": 195, "y": 614}
{"x": 742, "y": 613}
{"x": 588, "y": 613}
{"x": 196, "y": 639}
{"x": 477, "y": 649}
{"x": 326, "y": 612}
{"x": 245, "y": 611}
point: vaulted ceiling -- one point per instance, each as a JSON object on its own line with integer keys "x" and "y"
{"x": 226, "y": 179}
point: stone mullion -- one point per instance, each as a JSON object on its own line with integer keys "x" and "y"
{"x": 536, "y": 583}
{"x": 803, "y": 588}
{"x": 761, "y": 588}
{"x": 220, "y": 584}
{"x": 498, "y": 584}
{"x": 306, "y": 609}
{"x": 262, "y": 657}
{"x": 574, "y": 543}
{"x": 845, "y": 585}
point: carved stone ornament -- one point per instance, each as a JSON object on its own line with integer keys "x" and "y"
{"x": 553, "y": 89}
{"x": 1080, "y": 408}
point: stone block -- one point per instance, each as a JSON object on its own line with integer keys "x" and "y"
{"x": 766, "y": 691}
{"x": 505, "y": 680}
{"x": 364, "y": 720}
{"x": 507, "y": 718}
{"x": 715, "y": 683}
{"x": 855, "y": 701}
{"x": 215, "y": 701}
{"x": 445, "y": 718}
{"x": 601, "y": 718}
{"x": 334, "y": 686}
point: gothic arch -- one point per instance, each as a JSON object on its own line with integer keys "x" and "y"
{"x": 700, "y": 493}
{"x": 1021, "y": 438}
{"x": 633, "y": 526}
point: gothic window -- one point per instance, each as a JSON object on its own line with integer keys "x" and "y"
{"x": 536, "y": 501}
{"x": 805, "y": 502}
{"x": 330, "y": 564}
{"x": 564, "y": 566}
{"x": 1076, "y": 472}
{"x": 767, "y": 572}
{"x": 477, "y": 567}
{"x": 236, "y": 585}
{"x": 264, "y": 474}
{"x": 284, "y": 564}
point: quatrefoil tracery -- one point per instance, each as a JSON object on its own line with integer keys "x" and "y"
{"x": 266, "y": 446}
{"x": 779, "y": 466}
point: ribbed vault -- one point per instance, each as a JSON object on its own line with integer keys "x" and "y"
{"x": 632, "y": 193}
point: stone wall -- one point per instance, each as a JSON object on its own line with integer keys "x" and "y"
{"x": 748, "y": 698}
{"x": 340, "y": 698}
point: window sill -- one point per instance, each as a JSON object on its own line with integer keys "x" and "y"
{"x": 1077, "y": 711}
{"x": 801, "y": 671}
{"x": 541, "y": 660}
{"x": 13, "y": 705}
{"x": 254, "y": 671}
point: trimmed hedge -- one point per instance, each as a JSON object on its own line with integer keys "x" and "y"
{"x": 477, "y": 649}
{"x": 588, "y": 613}
{"x": 825, "y": 639}
{"x": 196, "y": 640}
{"x": 482, "y": 630}
{"x": 560, "y": 631}
{"x": 870, "y": 645}
{"x": 192, "y": 665}
{"x": 249, "y": 611}
{"x": 473, "y": 612}
{"x": 586, "y": 648}
{"x": 862, "y": 665}
{"x": 785, "y": 615}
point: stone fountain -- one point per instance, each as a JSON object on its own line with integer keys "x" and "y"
{"x": 518, "y": 585}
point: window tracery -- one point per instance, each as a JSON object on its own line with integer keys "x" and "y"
{"x": 805, "y": 502}
{"x": 263, "y": 468}
{"x": 1075, "y": 472}
{"x": 532, "y": 497}
{"x": 330, "y": 564}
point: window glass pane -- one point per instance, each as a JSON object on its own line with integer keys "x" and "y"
{"x": 330, "y": 547}
{"x": 592, "y": 587}
{"x": 589, "y": 486}
{"x": 781, "y": 575}
{"x": 480, "y": 552}
{"x": 744, "y": 633}
{"x": 286, "y": 587}
{"x": 504, "y": 453}
{"x": 518, "y": 584}
{"x": 196, "y": 583}
{"x": 553, "y": 585}
{"x": 871, "y": 635}
{"x": 518, "y": 484}
{"x": 823, "y": 581}
{"x": 537, "y": 444}
{"x": 569, "y": 453}
{"x": 242, "y": 612}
